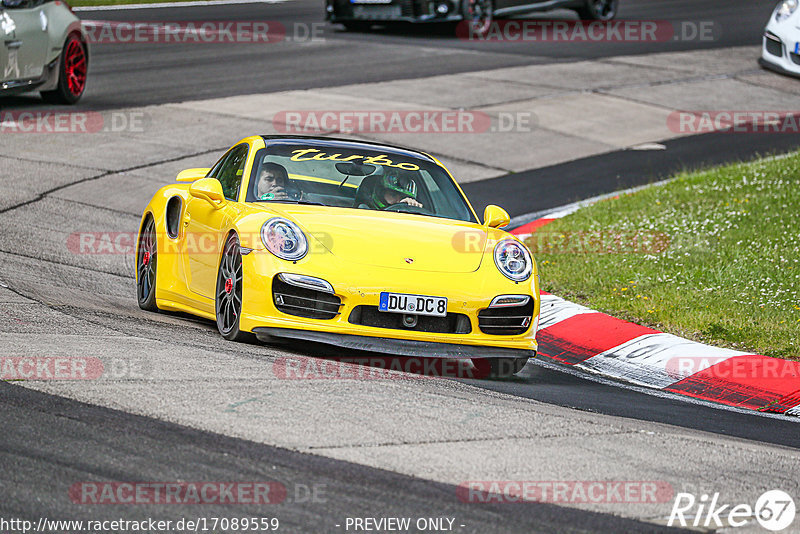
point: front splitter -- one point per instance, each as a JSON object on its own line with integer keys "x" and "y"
{"x": 399, "y": 347}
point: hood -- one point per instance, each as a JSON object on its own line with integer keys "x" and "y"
{"x": 395, "y": 240}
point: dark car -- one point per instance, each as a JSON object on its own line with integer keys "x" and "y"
{"x": 360, "y": 15}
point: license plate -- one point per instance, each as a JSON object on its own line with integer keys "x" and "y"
{"x": 376, "y": 12}
{"x": 413, "y": 304}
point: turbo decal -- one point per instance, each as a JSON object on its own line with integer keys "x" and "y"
{"x": 382, "y": 159}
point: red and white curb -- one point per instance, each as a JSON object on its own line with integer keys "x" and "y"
{"x": 580, "y": 337}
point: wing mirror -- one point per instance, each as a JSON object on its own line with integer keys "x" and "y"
{"x": 208, "y": 189}
{"x": 495, "y": 217}
{"x": 190, "y": 175}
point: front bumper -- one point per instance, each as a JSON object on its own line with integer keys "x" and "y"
{"x": 780, "y": 50}
{"x": 46, "y": 81}
{"x": 396, "y": 11}
{"x": 399, "y": 347}
{"x": 468, "y": 294}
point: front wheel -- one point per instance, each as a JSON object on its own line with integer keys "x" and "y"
{"x": 146, "y": 265}
{"x": 598, "y": 10}
{"x": 229, "y": 293}
{"x": 479, "y": 15}
{"x": 72, "y": 70}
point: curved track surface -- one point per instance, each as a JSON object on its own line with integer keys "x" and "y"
{"x": 124, "y": 75}
{"x": 321, "y": 493}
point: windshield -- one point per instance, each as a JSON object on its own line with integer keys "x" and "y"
{"x": 355, "y": 177}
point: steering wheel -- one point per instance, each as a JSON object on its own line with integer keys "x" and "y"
{"x": 402, "y": 206}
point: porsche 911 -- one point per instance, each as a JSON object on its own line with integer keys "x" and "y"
{"x": 348, "y": 243}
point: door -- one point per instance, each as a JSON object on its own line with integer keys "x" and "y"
{"x": 205, "y": 224}
{"x": 9, "y": 64}
{"x": 27, "y": 43}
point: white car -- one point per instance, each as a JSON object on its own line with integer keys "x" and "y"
{"x": 781, "y": 46}
{"x": 42, "y": 48}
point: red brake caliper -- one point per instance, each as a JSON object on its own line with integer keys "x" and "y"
{"x": 228, "y": 285}
{"x": 146, "y": 258}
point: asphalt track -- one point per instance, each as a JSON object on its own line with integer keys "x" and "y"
{"x": 136, "y": 74}
{"x": 89, "y": 443}
{"x": 56, "y": 441}
{"x": 541, "y": 189}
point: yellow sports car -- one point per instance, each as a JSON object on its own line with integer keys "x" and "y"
{"x": 349, "y": 243}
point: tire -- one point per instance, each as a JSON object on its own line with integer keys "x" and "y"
{"x": 147, "y": 266}
{"x": 479, "y": 15}
{"x": 72, "y": 71}
{"x": 598, "y": 10}
{"x": 228, "y": 300}
{"x": 499, "y": 367}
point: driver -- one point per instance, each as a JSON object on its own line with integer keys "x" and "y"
{"x": 272, "y": 182}
{"x": 395, "y": 187}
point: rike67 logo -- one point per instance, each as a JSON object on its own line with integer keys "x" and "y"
{"x": 774, "y": 510}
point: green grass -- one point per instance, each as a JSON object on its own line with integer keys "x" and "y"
{"x": 729, "y": 271}
{"x": 82, "y": 3}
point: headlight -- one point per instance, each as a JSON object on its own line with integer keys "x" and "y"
{"x": 284, "y": 239}
{"x": 785, "y": 9}
{"x": 513, "y": 260}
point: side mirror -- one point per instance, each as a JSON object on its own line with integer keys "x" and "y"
{"x": 495, "y": 217}
{"x": 190, "y": 175}
{"x": 208, "y": 189}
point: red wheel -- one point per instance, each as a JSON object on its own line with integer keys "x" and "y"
{"x": 71, "y": 75}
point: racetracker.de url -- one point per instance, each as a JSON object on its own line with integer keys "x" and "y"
{"x": 142, "y": 526}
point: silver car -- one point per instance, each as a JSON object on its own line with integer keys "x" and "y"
{"x": 42, "y": 48}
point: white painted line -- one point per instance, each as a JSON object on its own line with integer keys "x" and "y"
{"x": 195, "y": 3}
{"x": 562, "y": 211}
{"x": 560, "y": 214}
{"x": 649, "y": 146}
{"x": 794, "y": 411}
{"x": 566, "y": 209}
